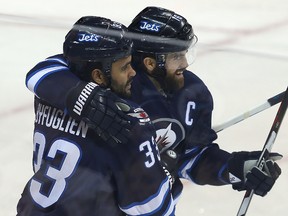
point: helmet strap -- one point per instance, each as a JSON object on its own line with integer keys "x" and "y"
{"x": 107, "y": 66}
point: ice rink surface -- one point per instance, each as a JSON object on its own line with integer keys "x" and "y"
{"x": 242, "y": 57}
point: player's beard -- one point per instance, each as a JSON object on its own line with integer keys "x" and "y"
{"x": 169, "y": 82}
{"x": 122, "y": 90}
{"x": 174, "y": 82}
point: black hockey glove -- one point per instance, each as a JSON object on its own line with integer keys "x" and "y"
{"x": 169, "y": 160}
{"x": 97, "y": 107}
{"x": 244, "y": 174}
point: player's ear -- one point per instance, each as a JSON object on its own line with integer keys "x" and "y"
{"x": 98, "y": 77}
{"x": 149, "y": 63}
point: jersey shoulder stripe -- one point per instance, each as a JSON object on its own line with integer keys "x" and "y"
{"x": 43, "y": 69}
{"x": 33, "y": 80}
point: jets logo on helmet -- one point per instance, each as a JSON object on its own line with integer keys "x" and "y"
{"x": 149, "y": 26}
{"x": 88, "y": 37}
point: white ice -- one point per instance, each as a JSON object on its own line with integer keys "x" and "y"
{"x": 242, "y": 57}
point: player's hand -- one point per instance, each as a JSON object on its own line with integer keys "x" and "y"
{"x": 244, "y": 174}
{"x": 97, "y": 107}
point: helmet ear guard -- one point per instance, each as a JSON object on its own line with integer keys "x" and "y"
{"x": 95, "y": 41}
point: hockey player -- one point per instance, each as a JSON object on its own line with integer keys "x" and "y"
{"x": 78, "y": 173}
{"x": 163, "y": 49}
{"x": 178, "y": 102}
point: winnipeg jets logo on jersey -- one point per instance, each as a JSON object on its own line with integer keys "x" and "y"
{"x": 169, "y": 132}
{"x": 149, "y": 26}
{"x": 165, "y": 137}
{"x": 88, "y": 37}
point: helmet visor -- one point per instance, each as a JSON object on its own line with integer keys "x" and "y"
{"x": 181, "y": 59}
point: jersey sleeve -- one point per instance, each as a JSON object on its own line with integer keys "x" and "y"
{"x": 51, "y": 80}
{"x": 205, "y": 165}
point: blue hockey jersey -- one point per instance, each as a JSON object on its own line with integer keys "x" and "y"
{"x": 77, "y": 174}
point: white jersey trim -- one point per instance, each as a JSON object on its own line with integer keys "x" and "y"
{"x": 189, "y": 165}
{"x": 35, "y": 79}
{"x": 152, "y": 204}
{"x": 56, "y": 59}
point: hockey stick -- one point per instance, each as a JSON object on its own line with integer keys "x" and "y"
{"x": 269, "y": 103}
{"x": 266, "y": 150}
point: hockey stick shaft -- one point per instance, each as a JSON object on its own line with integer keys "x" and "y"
{"x": 269, "y": 103}
{"x": 266, "y": 150}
